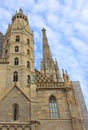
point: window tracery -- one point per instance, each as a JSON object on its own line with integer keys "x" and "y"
{"x": 17, "y": 38}
{"x": 15, "y": 76}
{"x": 53, "y": 107}
{"x": 16, "y": 61}
{"x": 16, "y": 49}
{"x": 28, "y": 64}
{"x": 15, "y": 112}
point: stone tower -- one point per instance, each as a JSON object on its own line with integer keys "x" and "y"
{"x": 18, "y": 48}
{"x": 48, "y": 66}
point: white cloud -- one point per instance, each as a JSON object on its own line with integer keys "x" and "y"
{"x": 79, "y": 45}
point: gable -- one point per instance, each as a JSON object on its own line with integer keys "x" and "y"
{"x": 15, "y": 92}
{"x": 15, "y": 96}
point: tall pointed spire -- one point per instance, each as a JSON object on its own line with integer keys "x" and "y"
{"x": 48, "y": 66}
{"x": 46, "y": 48}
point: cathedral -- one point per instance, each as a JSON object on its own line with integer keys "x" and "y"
{"x": 32, "y": 99}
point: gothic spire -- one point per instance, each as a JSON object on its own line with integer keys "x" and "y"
{"x": 48, "y": 66}
{"x": 46, "y": 48}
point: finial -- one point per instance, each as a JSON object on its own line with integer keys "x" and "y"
{"x": 56, "y": 61}
{"x": 66, "y": 72}
{"x": 43, "y": 29}
{"x": 20, "y": 11}
{"x": 67, "y": 76}
{"x": 63, "y": 74}
{"x": 44, "y": 32}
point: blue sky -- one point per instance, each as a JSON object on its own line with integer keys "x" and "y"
{"x": 66, "y": 23}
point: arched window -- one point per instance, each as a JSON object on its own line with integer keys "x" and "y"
{"x": 16, "y": 61}
{"x": 17, "y": 38}
{"x": 16, "y": 49}
{"x": 53, "y": 107}
{"x": 28, "y": 79}
{"x": 28, "y": 41}
{"x": 28, "y": 64}
{"x": 28, "y": 52}
{"x": 15, "y": 112}
{"x": 6, "y": 53}
{"x": 15, "y": 76}
{"x": 7, "y": 41}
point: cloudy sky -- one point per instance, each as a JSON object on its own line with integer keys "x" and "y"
{"x": 66, "y": 23}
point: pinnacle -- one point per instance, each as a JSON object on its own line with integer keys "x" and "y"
{"x": 43, "y": 29}
{"x": 20, "y": 11}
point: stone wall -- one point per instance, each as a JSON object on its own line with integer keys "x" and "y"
{"x": 41, "y": 110}
{"x": 3, "y": 74}
{"x": 6, "y": 106}
{"x": 79, "y": 96}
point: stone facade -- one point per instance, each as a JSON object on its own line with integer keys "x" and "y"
{"x": 80, "y": 98}
{"x": 32, "y": 99}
